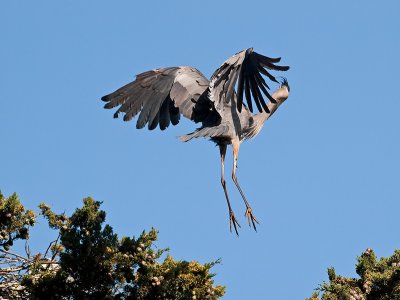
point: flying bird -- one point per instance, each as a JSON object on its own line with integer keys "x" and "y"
{"x": 161, "y": 96}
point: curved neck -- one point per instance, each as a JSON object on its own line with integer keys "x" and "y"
{"x": 280, "y": 95}
{"x": 264, "y": 116}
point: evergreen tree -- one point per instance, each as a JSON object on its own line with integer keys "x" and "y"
{"x": 379, "y": 280}
{"x": 89, "y": 261}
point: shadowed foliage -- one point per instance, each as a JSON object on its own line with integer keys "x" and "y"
{"x": 379, "y": 280}
{"x": 89, "y": 261}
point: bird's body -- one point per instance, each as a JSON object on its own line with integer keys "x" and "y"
{"x": 162, "y": 95}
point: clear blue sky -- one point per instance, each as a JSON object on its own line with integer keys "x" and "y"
{"x": 322, "y": 177}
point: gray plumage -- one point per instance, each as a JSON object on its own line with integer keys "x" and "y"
{"x": 162, "y": 95}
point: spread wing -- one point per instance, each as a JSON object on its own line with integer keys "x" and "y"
{"x": 160, "y": 96}
{"x": 244, "y": 70}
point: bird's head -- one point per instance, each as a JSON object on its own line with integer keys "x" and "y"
{"x": 284, "y": 82}
{"x": 282, "y": 93}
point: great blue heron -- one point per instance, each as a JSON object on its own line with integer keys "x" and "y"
{"x": 162, "y": 95}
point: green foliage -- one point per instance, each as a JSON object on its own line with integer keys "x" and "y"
{"x": 86, "y": 264}
{"x": 89, "y": 261}
{"x": 14, "y": 221}
{"x": 379, "y": 280}
{"x": 174, "y": 280}
{"x": 54, "y": 221}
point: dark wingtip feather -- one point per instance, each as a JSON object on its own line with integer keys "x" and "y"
{"x": 105, "y": 98}
{"x": 266, "y": 58}
{"x": 258, "y": 65}
{"x": 248, "y": 93}
{"x": 282, "y": 68}
{"x": 153, "y": 125}
{"x": 108, "y": 105}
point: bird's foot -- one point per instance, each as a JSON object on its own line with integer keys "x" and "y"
{"x": 234, "y": 221}
{"x": 250, "y": 217}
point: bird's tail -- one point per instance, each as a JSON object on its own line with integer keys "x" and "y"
{"x": 206, "y": 132}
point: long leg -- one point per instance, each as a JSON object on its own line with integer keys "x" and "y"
{"x": 249, "y": 212}
{"x": 232, "y": 218}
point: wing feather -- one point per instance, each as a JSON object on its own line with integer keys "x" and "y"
{"x": 159, "y": 96}
{"x": 262, "y": 84}
{"x": 164, "y": 117}
{"x": 240, "y": 86}
{"x": 253, "y": 89}
{"x": 244, "y": 70}
{"x": 248, "y": 94}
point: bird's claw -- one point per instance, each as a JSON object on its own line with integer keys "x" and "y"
{"x": 234, "y": 221}
{"x": 250, "y": 217}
